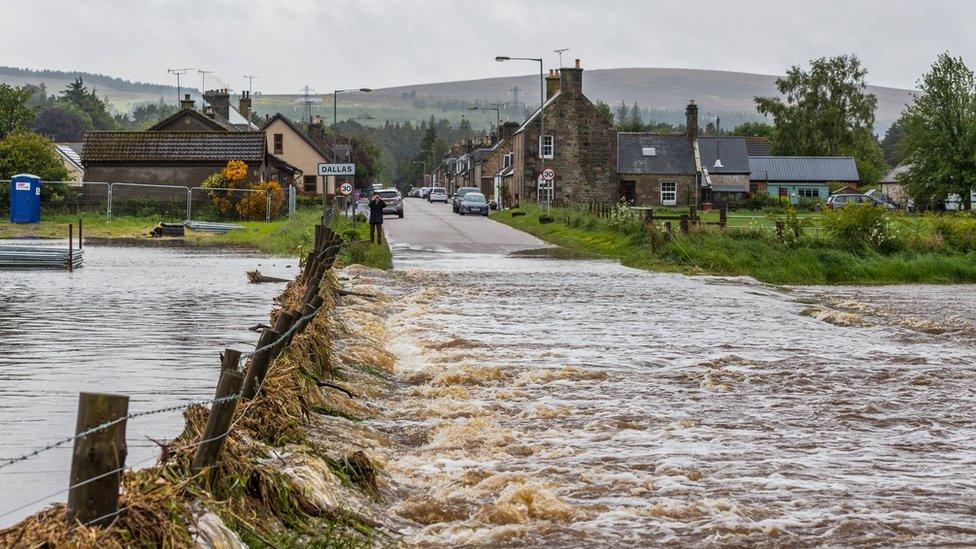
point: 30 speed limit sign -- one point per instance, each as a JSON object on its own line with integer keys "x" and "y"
{"x": 345, "y": 189}
{"x": 549, "y": 174}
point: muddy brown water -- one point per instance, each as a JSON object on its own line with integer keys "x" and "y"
{"x": 148, "y": 323}
{"x": 577, "y": 403}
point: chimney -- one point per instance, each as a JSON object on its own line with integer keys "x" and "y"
{"x": 316, "y": 129}
{"x": 219, "y": 101}
{"x": 691, "y": 120}
{"x": 208, "y": 111}
{"x": 571, "y": 79}
{"x": 507, "y": 130}
{"x": 552, "y": 84}
{"x": 244, "y": 105}
{"x": 186, "y": 103}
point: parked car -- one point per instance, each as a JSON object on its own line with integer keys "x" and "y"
{"x": 437, "y": 194}
{"x": 474, "y": 203}
{"x": 424, "y": 192}
{"x": 394, "y": 202}
{"x": 456, "y": 203}
{"x": 842, "y": 199}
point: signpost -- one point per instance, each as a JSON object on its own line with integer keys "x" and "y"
{"x": 339, "y": 170}
{"x": 334, "y": 171}
{"x": 345, "y": 189}
{"x": 546, "y": 186}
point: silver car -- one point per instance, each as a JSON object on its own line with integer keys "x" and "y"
{"x": 394, "y": 202}
{"x": 437, "y": 194}
{"x": 473, "y": 203}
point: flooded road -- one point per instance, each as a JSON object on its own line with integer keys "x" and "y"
{"x": 575, "y": 403}
{"x": 145, "y": 322}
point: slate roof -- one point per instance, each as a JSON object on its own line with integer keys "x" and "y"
{"x": 891, "y": 176}
{"x": 730, "y": 150}
{"x": 176, "y": 147}
{"x": 480, "y": 154}
{"x": 758, "y": 146}
{"x": 803, "y": 168}
{"x": 71, "y": 152}
{"x": 674, "y": 154}
{"x": 217, "y": 123}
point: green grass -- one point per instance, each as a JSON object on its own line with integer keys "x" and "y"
{"x": 743, "y": 251}
{"x": 287, "y": 237}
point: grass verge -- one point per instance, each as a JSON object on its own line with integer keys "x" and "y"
{"x": 708, "y": 250}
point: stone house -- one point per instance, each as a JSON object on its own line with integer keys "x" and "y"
{"x": 217, "y": 115}
{"x": 579, "y": 145}
{"x": 497, "y": 159}
{"x": 894, "y": 188}
{"x": 657, "y": 169}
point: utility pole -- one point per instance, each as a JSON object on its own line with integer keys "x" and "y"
{"x": 203, "y": 83}
{"x": 250, "y": 83}
{"x": 178, "y": 73}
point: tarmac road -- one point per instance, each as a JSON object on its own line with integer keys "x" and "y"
{"x": 434, "y": 227}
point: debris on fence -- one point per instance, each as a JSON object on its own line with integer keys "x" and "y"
{"x": 255, "y": 277}
{"x": 210, "y": 227}
{"x": 167, "y": 229}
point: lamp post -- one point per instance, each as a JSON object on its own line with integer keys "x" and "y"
{"x": 542, "y": 102}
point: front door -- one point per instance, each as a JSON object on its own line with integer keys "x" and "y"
{"x": 628, "y": 191}
{"x": 783, "y": 192}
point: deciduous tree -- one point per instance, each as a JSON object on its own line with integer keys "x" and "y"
{"x": 15, "y": 110}
{"x": 939, "y": 138}
{"x": 26, "y": 152}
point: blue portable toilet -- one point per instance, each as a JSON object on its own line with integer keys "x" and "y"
{"x": 25, "y": 198}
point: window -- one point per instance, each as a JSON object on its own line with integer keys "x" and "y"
{"x": 308, "y": 183}
{"x": 669, "y": 193}
{"x": 507, "y": 160}
{"x": 547, "y": 146}
{"x": 808, "y": 192}
{"x": 279, "y": 143}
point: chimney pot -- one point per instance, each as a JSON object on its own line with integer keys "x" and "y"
{"x": 577, "y": 64}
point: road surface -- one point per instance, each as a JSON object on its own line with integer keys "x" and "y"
{"x": 434, "y": 227}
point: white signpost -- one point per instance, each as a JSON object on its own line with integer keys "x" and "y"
{"x": 337, "y": 169}
{"x": 546, "y": 186}
{"x": 345, "y": 189}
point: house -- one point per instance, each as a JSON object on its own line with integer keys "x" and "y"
{"x": 289, "y": 142}
{"x": 724, "y": 169}
{"x": 70, "y": 155}
{"x": 496, "y": 159}
{"x": 656, "y": 169}
{"x": 217, "y": 115}
{"x": 893, "y": 188}
{"x": 578, "y": 144}
{"x": 801, "y": 177}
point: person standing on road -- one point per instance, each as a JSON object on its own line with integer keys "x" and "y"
{"x": 376, "y": 206}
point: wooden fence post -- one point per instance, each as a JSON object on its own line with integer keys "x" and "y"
{"x": 667, "y": 227}
{"x": 780, "y": 226}
{"x": 96, "y": 456}
{"x": 259, "y": 365}
{"x": 79, "y": 234}
{"x": 231, "y": 360}
{"x": 221, "y": 414}
{"x": 723, "y": 216}
{"x": 71, "y": 250}
{"x": 286, "y": 320}
{"x": 685, "y": 224}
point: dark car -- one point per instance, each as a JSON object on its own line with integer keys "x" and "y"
{"x": 456, "y": 203}
{"x": 394, "y": 203}
{"x": 840, "y": 200}
{"x": 473, "y": 203}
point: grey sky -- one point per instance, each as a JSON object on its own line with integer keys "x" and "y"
{"x": 377, "y": 43}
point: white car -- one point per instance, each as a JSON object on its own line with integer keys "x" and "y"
{"x": 437, "y": 194}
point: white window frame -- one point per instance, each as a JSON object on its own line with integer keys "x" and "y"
{"x": 801, "y": 190}
{"x": 673, "y": 194}
{"x": 547, "y": 150}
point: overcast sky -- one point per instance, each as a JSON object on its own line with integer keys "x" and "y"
{"x": 378, "y": 43}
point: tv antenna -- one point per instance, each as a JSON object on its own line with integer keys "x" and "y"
{"x": 178, "y": 73}
{"x": 203, "y": 82}
{"x": 560, "y": 53}
{"x": 250, "y": 82}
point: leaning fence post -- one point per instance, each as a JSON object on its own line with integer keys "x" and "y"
{"x": 285, "y": 321}
{"x": 218, "y": 421}
{"x": 97, "y": 459}
{"x": 231, "y": 360}
{"x": 723, "y": 216}
{"x": 259, "y": 365}
{"x": 685, "y": 224}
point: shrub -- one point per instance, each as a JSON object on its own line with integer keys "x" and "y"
{"x": 958, "y": 231}
{"x": 253, "y": 205}
{"x": 859, "y": 227}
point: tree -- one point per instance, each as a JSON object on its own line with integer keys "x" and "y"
{"x": 827, "y": 112}
{"x": 754, "y": 129}
{"x": 939, "y": 134}
{"x": 15, "y": 110}
{"x": 63, "y": 122}
{"x": 622, "y": 115}
{"x": 88, "y": 101}
{"x": 889, "y": 144}
{"x": 604, "y": 109}
{"x": 26, "y": 152}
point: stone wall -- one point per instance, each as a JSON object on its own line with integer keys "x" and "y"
{"x": 647, "y": 188}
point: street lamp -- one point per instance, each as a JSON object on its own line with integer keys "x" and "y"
{"x": 493, "y": 107}
{"x": 542, "y": 99}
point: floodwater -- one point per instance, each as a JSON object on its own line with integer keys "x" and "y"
{"x": 145, "y": 322}
{"x": 576, "y": 403}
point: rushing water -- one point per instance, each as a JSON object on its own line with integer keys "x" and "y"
{"x": 575, "y": 403}
{"x": 145, "y": 322}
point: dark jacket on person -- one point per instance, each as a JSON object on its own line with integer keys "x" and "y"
{"x": 376, "y": 206}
